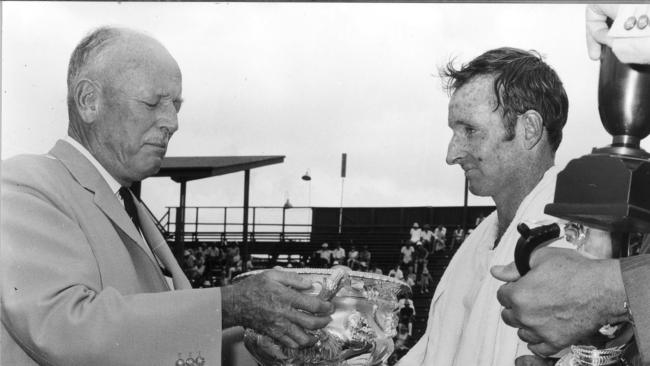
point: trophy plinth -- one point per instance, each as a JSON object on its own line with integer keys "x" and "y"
{"x": 608, "y": 189}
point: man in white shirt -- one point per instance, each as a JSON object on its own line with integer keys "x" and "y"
{"x": 406, "y": 254}
{"x": 338, "y": 255}
{"x": 415, "y": 233}
{"x": 507, "y": 111}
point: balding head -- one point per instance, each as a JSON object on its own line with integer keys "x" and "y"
{"x": 92, "y": 56}
{"x": 124, "y": 91}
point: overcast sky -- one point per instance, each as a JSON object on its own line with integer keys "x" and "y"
{"x": 309, "y": 81}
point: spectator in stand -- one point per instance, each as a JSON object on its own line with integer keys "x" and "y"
{"x": 249, "y": 263}
{"x": 406, "y": 257}
{"x": 233, "y": 260}
{"x": 189, "y": 262}
{"x": 440, "y": 238}
{"x": 213, "y": 258}
{"x": 353, "y": 258}
{"x": 469, "y": 232}
{"x": 410, "y": 280}
{"x": 376, "y": 270}
{"x": 224, "y": 280}
{"x": 200, "y": 267}
{"x": 314, "y": 260}
{"x": 479, "y": 219}
{"x": 406, "y": 317}
{"x": 415, "y": 232}
{"x": 397, "y": 273}
{"x": 338, "y": 255}
{"x": 427, "y": 237}
{"x": 402, "y": 338}
{"x": 421, "y": 259}
{"x": 406, "y": 310}
{"x": 402, "y": 344}
{"x": 325, "y": 255}
{"x": 425, "y": 280}
{"x": 365, "y": 258}
{"x": 457, "y": 238}
{"x": 403, "y": 300}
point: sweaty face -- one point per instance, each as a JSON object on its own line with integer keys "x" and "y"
{"x": 140, "y": 99}
{"x": 479, "y": 143}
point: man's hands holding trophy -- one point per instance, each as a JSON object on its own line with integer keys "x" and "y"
{"x": 272, "y": 303}
{"x": 314, "y": 316}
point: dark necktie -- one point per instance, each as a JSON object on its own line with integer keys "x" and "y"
{"x": 132, "y": 211}
{"x": 129, "y": 206}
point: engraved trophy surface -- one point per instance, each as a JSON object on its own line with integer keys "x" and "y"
{"x": 362, "y": 328}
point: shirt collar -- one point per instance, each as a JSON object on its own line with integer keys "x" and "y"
{"x": 112, "y": 183}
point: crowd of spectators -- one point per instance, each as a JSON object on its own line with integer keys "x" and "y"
{"x": 356, "y": 260}
{"x": 422, "y": 244}
{"x": 213, "y": 265}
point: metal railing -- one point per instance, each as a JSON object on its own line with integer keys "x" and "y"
{"x": 218, "y": 223}
{"x": 266, "y": 224}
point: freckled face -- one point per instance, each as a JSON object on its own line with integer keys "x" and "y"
{"x": 478, "y": 143}
{"x": 140, "y": 99}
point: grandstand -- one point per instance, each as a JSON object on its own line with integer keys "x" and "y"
{"x": 265, "y": 236}
{"x": 279, "y": 235}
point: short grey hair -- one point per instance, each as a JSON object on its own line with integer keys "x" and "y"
{"x": 84, "y": 55}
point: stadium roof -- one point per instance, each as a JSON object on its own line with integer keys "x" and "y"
{"x": 186, "y": 168}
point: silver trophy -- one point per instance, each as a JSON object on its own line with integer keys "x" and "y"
{"x": 364, "y": 321}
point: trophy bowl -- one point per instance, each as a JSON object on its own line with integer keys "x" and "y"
{"x": 362, "y": 328}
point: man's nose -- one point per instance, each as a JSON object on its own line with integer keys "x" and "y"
{"x": 168, "y": 118}
{"x": 455, "y": 151}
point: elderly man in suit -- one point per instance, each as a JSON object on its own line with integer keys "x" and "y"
{"x": 83, "y": 268}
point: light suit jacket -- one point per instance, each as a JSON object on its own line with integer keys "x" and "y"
{"x": 636, "y": 277}
{"x": 79, "y": 285}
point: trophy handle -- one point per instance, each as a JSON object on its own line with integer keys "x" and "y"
{"x": 530, "y": 240}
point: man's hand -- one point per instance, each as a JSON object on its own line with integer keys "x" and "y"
{"x": 627, "y": 49}
{"x": 596, "y": 17}
{"x": 563, "y": 300}
{"x": 271, "y": 303}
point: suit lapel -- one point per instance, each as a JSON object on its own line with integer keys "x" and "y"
{"x": 87, "y": 175}
{"x": 160, "y": 248}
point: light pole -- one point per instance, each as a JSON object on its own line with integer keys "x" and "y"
{"x": 307, "y": 178}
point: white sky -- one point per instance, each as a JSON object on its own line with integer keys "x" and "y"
{"x": 309, "y": 81}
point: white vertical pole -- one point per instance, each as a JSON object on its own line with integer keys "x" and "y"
{"x": 344, "y": 158}
{"x": 341, "y": 207}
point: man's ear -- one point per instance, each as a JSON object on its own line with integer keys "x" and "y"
{"x": 533, "y": 125}
{"x": 86, "y": 98}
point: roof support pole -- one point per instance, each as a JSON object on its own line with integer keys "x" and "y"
{"x": 179, "y": 244}
{"x": 244, "y": 244}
